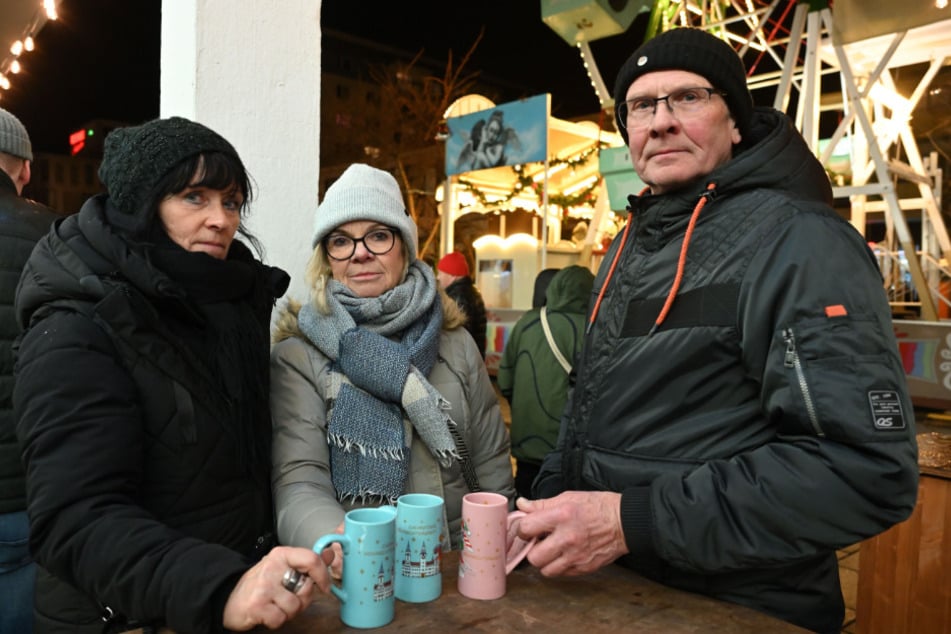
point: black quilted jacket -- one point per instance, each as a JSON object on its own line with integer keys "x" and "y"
{"x": 139, "y": 503}
{"x": 765, "y": 422}
{"x": 22, "y": 223}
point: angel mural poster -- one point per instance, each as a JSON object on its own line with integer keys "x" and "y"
{"x": 509, "y": 134}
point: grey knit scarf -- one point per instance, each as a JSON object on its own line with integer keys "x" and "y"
{"x": 381, "y": 351}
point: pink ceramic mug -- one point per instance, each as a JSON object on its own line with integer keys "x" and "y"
{"x": 490, "y": 549}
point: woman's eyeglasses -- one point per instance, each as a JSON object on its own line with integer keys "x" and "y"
{"x": 340, "y": 246}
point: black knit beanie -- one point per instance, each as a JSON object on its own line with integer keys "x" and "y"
{"x": 136, "y": 158}
{"x": 695, "y": 51}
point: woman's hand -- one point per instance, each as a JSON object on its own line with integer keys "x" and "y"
{"x": 260, "y": 597}
{"x": 336, "y": 567}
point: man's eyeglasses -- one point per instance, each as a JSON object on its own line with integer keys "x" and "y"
{"x": 686, "y": 102}
{"x": 378, "y": 242}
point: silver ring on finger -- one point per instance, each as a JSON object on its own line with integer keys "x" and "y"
{"x": 293, "y": 580}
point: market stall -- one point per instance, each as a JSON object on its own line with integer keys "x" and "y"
{"x": 504, "y": 161}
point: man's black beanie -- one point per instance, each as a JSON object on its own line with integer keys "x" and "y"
{"x": 136, "y": 158}
{"x": 696, "y": 51}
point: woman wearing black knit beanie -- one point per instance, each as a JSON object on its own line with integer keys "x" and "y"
{"x": 142, "y": 401}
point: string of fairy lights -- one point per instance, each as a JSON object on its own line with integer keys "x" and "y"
{"x": 24, "y": 41}
{"x": 525, "y": 182}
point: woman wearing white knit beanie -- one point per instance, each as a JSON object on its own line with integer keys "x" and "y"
{"x": 376, "y": 390}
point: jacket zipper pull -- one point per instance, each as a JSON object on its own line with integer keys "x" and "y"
{"x": 790, "y": 358}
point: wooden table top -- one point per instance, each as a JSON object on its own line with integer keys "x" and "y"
{"x": 613, "y": 599}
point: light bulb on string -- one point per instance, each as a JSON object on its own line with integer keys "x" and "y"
{"x": 28, "y": 43}
{"x": 17, "y": 48}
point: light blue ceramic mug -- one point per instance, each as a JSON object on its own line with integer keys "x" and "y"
{"x": 366, "y": 591}
{"x": 420, "y": 534}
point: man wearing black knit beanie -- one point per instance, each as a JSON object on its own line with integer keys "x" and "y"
{"x": 740, "y": 410}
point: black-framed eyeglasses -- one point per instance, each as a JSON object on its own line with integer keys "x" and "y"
{"x": 686, "y": 102}
{"x": 379, "y": 241}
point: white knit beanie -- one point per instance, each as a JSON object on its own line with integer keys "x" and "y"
{"x": 365, "y": 193}
{"x": 13, "y": 137}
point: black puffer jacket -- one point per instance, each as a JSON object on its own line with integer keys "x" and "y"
{"x": 469, "y": 299}
{"x": 22, "y": 223}
{"x": 140, "y": 501}
{"x": 766, "y": 421}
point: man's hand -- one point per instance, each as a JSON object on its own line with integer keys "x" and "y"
{"x": 578, "y": 531}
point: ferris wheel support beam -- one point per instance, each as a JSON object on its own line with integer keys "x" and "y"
{"x": 868, "y": 40}
{"x": 781, "y": 101}
{"x": 905, "y": 239}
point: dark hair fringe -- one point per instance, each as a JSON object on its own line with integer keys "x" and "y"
{"x": 218, "y": 170}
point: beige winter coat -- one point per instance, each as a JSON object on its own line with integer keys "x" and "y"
{"x": 304, "y": 495}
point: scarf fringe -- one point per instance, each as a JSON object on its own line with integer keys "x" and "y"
{"x": 365, "y": 497}
{"x": 445, "y": 458}
{"x": 350, "y": 446}
{"x": 382, "y": 350}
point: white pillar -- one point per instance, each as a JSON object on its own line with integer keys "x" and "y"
{"x": 250, "y": 70}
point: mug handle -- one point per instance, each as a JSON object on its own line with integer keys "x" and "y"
{"x": 516, "y": 547}
{"x": 327, "y": 540}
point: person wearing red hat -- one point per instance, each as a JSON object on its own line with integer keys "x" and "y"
{"x": 453, "y": 275}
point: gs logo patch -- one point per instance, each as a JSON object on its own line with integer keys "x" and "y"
{"x": 886, "y": 409}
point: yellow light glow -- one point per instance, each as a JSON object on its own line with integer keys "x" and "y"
{"x": 15, "y": 67}
{"x": 28, "y": 43}
{"x": 899, "y": 105}
{"x": 509, "y": 242}
{"x": 554, "y": 169}
{"x": 50, "y": 7}
{"x": 583, "y": 184}
{"x": 17, "y": 47}
{"x": 466, "y": 199}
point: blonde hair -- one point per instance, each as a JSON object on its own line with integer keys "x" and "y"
{"x": 318, "y": 274}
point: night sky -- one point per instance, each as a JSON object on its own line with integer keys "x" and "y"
{"x": 517, "y": 47}
{"x": 100, "y": 60}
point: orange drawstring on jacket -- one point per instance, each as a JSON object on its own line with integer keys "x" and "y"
{"x": 604, "y": 287}
{"x": 681, "y": 262}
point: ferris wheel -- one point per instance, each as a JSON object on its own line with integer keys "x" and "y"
{"x": 827, "y": 65}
